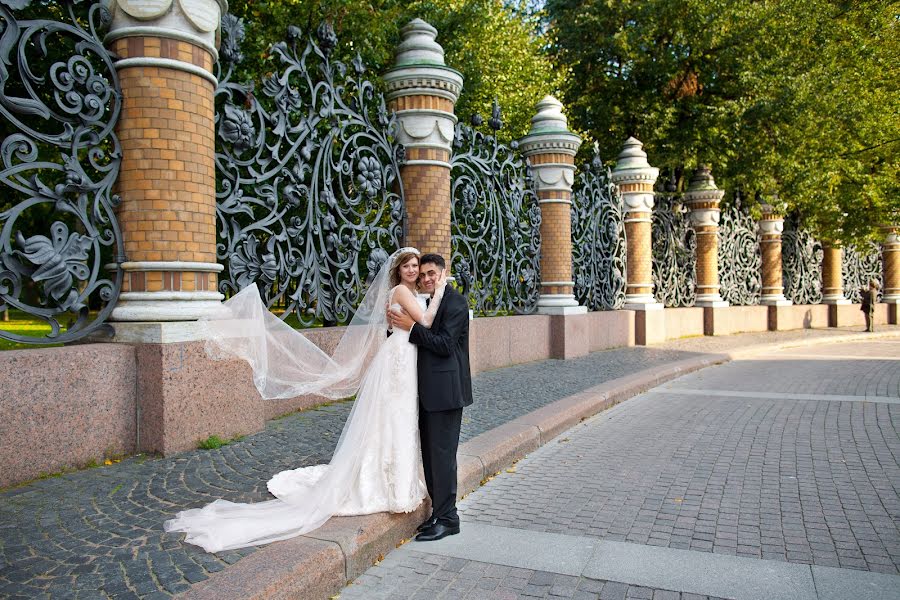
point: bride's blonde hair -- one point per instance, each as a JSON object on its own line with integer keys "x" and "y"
{"x": 401, "y": 260}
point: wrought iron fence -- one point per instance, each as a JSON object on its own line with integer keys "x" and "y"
{"x": 674, "y": 247}
{"x": 598, "y": 238}
{"x": 59, "y": 100}
{"x": 801, "y": 264}
{"x": 309, "y": 196}
{"x": 740, "y": 261}
{"x": 495, "y": 222}
{"x": 859, "y": 266}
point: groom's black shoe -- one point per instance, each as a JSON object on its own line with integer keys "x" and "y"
{"x": 429, "y": 522}
{"x": 436, "y": 532}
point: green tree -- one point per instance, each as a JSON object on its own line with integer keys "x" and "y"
{"x": 797, "y": 96}
{"x": 493, "y": 44}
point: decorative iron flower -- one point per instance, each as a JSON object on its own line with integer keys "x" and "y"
{"x": 376, "y": 260}
{"x": 248, "y": 266}
{"x": 59, "y": 262}
{"x": 369, "y": 178}
{"x": 327, "y": 39}
{"x": 237, "y": 128}
{"x": 233, "y": 30}
{"x": 469, "y": 197}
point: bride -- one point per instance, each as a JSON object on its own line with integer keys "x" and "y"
{"x": 376, "y": 465}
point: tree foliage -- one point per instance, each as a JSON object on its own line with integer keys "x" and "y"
{"x": 492, "y": 43}
{"x": 798, "y": 97}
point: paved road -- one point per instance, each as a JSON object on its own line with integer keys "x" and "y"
{"x": 98, "y": 533}
{"x": 777, "y": 477}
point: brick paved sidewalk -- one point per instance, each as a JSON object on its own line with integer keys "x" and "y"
{"x": 98, "y": 533}
{"x": 776, "y": 476}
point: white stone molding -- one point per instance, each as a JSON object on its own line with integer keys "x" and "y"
{"x": 557, "y": 283}
{"x": 704, "y": 217}
{"x": 554, "y": 201}
{"x": 641, "y": 302}
{"x": 167, "y": 63}
{"x": 712, "y": 300}
{"x": 170, "y": 265}
{"x": 559, "y": 304}
{"x": 425, "y": 129}
{"x": 771, "y": 226}
{"x": 774, "y": 300}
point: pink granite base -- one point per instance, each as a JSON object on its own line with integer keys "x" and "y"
{"x": 569, "y": 336}
{"x": 650, "y": 326}
{"x": 497, "y": 342}
{"x": 610, "y": 329}
{"x": 185, "y": 397}
{"x": 850, "y": 315}
{"x": 683, "y": 322}
{"x": 729, "y": 320}
{"x": 798, "y": 316}
{"x": 64, "y": 407}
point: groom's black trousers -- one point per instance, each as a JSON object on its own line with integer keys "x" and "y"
{"x": 439, "y": 432}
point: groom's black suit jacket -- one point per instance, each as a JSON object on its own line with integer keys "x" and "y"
{"x": 445, "y": 380}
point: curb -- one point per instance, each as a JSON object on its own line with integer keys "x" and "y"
{"x": 318, "y": 565}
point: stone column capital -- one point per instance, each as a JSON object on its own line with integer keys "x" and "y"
{"x": 703, "y": 197}
{"x": 423, "y": 91}
{"x": 194, "y": 21}
{"x": 635, "y": 177}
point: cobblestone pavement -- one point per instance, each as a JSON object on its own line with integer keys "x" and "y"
{"x": 422, "y": 576}
{"x": 98, "y": 533}
{"x": 798, "y": 465}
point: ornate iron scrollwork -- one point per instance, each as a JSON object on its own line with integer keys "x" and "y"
{"x": 674, "y": 253}
{"x": 598, "y": 238}
{"x": 801, "y": 257}
{"x": 859, "y": 266}
{"x": 740, "y": 261}
{"x": 495, "y": 223}
{"x": 59, "y": 100}
{"x": 309, "y": 196}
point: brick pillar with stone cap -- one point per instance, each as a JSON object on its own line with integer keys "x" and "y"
{"x": 703, "y": 197}
{"x": 771, "y": 227}
{"x": 635, "y": 179}
{"x": 550, "y": 150}
{"x": 423, "y": 92}
{"x": 832, "y": 276}
{"x": 890, "y": 255}
{"x": 166, "y": 50}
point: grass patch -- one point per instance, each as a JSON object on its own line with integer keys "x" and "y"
{"x": 24, "y": 325}
{"x": 214, "y": 442}
{"x": 94, "y": 463}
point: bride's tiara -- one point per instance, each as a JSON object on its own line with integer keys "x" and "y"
{"x": 408, "y": 250}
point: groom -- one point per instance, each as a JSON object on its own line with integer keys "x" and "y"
{"x": 445, "y": 387}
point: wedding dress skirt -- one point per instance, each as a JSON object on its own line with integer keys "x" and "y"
{"x": 376, "y": 467}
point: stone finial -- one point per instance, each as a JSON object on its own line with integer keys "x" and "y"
{"x": 702, "y": 179}
{"x": 550, "y": 131}
{"x": 549, "y": 117}
{"x": 632, "y": 156}
{"x": 419, "y": 45}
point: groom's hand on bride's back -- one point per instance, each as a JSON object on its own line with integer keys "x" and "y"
{"x": 402, "y": 321}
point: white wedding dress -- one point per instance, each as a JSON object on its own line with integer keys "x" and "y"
{"x": 376, "y": 466}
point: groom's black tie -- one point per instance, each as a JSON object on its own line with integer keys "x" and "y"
{"x": 427, "y": 301}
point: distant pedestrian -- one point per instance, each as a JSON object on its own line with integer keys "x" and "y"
{"x": 869, "y": 300}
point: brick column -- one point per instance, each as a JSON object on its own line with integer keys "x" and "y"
{"x": 703, "y": 197}
{"x": 423, "y": 92}
{"x": 167, "y": 182}
{"x": 550, "y": 149}
{"x": 832, "y": 277}
{"x": 635, "y": 178}
{"x": 771, "y": 226}
{"x": 891, "y": 278}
